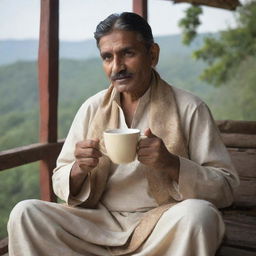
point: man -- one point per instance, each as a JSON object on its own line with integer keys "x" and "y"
{"x": 164, "y": 203}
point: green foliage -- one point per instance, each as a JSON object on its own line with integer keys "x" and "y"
{"x": 18, "y": 128}
{"x": 236, "y": 100}
{"x": 234, "y": 46}
{"x": 15, "y": 185}
{"x": 16, "y": 86}
{"x": 78, "y": 81}
{"x": 190, "y": 23}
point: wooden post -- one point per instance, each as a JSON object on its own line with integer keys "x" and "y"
{"x": 48, "y": 72}
{"x": 141, "y": 7}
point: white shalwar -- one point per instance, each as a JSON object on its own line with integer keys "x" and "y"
{"x": 192, "y": 227}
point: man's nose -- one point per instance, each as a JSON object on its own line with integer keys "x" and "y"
{"x": 118, "y": 65}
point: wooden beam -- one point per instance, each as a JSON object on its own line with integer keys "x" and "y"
{"x": 223, "y": 4}
{"x": 48, "y": 73}
{"x": 28, "y": 154}
{"x": 46, "y": 167}
{"x": 240, "y": 134}
{"x": 141, "y": 7}
{"x": 238, "y": 140}
{"x": 225, "y": 250}
{"x": 48, "y": 69}
{"x": 234, "y": 126}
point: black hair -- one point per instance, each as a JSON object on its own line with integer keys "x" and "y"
{"x": 128, "y": 21}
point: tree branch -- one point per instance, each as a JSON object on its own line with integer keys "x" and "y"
{"x": 223, "y": 4}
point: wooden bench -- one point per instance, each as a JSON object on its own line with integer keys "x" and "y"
{"x": 240, "y": 218}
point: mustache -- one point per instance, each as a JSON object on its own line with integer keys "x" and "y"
{"x": 121, "y": 75}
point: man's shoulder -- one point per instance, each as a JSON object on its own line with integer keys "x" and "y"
{"x": 96, "y": 99}
{"x": 184, "y": 97}
{"x": 189, "y": 106}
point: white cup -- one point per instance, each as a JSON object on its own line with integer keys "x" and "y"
{"x": 121, "y": 144}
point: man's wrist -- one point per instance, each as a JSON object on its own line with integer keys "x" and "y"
{"x": 77, "y": 178}
{"x": 76, "y": 171}
{"x": 173, "y": 168}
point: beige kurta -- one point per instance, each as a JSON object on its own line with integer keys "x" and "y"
{"x": 198, "y": 178}
{"x": 126, "y": 199}
{"x": 126, "y": 192}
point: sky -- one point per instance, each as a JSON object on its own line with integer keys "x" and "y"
{"x": 19, "y": 19}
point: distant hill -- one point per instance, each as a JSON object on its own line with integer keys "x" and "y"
{"x": 27, "y": 50}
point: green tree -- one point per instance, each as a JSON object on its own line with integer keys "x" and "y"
{"x": 236, "y": 100}
{"x": 190, "y": 23}
{"x": 224, "y": 53}
{"x": 230, "y": 57}
{"x": 234, "y": 46}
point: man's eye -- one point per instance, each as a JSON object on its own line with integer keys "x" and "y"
{"x": 129, "y": 53}
{"x": 106, "y": 57}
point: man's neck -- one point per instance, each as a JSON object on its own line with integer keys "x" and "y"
{"x": 129, "y": 105}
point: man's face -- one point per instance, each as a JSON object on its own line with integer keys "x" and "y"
{"x": 126, "y": 61}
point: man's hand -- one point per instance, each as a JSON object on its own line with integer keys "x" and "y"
{"x": 87, "y": 156}
{"x": 153, "y": 153}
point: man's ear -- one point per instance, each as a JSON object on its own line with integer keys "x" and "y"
{"x": 154, "y": 52}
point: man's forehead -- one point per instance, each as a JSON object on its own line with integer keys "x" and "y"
{"x": 121, "y": 38}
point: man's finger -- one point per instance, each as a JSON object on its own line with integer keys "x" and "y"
{"x": 149, "y": 133}
{"x": 88, "y": 143}
{"x": 87, "y": 153}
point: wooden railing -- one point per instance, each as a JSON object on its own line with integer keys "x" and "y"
{"x": 28, "y": 154}
{"x": 238, "y": 133}
{"x": 47, "y": 154}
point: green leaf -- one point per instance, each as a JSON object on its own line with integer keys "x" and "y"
{"x": 190, "y": 23}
